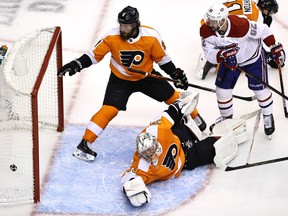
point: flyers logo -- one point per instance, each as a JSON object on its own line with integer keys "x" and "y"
{"x": 129, "y": 58}
{"x": 169, "y": 160}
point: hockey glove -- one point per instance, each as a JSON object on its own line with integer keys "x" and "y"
{"x": 229, "y": 56}
{"x": 3, "y": 51}
{"x": 271, "y": 62}
{"x": 71, "y": 68}
{"x": 75, "y": 66}
{"x": 278, "y": 54}
{"x": 136, "y": 191}
{"x": 180, "y": 76}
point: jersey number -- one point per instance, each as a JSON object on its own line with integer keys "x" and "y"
{"x": 253, "y": 30}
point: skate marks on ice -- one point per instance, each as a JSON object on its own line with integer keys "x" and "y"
{"x": 78, "y": 187}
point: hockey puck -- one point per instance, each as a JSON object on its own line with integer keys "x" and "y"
{"x": 13, "y": 167}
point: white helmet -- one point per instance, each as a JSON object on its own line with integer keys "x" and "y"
{"x": 147, "y": 146}
{"x": 216, "y": 12}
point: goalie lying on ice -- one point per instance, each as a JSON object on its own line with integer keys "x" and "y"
{"x": 170, "y": 144}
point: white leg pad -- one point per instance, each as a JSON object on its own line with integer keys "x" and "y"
{"x": 200, "y": 66}
{"x": 226, "y": 149}
{"x": 238, "y": 126}
{"x": 191, "y": 124}
{"x": 188, "y": 101}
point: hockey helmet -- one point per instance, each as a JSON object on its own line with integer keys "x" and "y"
{"x": 216, "y": 12}
{"x": 128, "y": 15}
{"x": 270, "y": 5}
{"x": 147, "y": 146}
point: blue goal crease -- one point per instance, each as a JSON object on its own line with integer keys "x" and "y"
{"x": 78, "y": 187}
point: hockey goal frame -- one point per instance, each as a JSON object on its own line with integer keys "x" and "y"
{"x": 55, "y": 41}
{"x": 31, "y": 99}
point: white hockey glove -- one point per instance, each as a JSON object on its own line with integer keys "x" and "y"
{"x": 137, "y": 192}
{"x": 232, "y": 132}
{"x": 188, "y": 101}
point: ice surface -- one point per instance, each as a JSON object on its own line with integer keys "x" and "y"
{"x": 259, "y": 191}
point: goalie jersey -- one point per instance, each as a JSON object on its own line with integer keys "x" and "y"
{"x": 171, "y": 157}
{"x": 138, "y": 53}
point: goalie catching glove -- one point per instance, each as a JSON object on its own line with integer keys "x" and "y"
{"x": 75, "y": 66}
{"x": 136, "y": 191}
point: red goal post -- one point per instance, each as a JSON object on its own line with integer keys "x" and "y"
{"x": 31, "y": 98}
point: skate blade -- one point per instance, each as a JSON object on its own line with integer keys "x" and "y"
{"x": 269, "y": 137}
{"x": 83, "y": 156}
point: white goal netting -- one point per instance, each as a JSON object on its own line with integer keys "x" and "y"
{"x": 30, "y": 99}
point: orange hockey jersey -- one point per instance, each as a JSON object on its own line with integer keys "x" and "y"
{"x": 246, "y": 8}
{"x": 138, "y": 53}
{"x": 171, "y": 157}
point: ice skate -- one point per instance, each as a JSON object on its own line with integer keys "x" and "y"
{"x": 269, "y": 126}
{"x": 83, "y": 152}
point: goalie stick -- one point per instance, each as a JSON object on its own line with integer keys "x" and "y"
{"x": 189, "y": 84}
{"x": 247, "y": 165}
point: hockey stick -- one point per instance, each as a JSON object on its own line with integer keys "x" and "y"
{"x": 189, "y": 84}
{"x": 256, "y": 164}
{"x": 262, "y": 82}
{"x": 256, "y": 126}
{"x": 282, "y": 91}
{"x": 247, "y": 165}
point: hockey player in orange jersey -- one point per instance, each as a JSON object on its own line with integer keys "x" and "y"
{"x": 131, "y": 46}
{"x": 170, "y": 144}
{"x": 260, "y": 12}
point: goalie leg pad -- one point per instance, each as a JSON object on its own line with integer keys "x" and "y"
{"x": 188, "y": 101}
{"x": 226, "y": 149}
{"x": 238, "y": 126}
{"x": 137, "y": 192}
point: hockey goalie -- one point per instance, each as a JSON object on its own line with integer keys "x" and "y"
{"x": 170, "y": 144}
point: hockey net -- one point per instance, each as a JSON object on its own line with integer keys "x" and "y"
{"x": 31, "y": 99}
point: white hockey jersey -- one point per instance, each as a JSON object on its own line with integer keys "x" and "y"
{"x": 247, "y": 35}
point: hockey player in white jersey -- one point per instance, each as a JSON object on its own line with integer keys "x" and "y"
{"x": 234, "y": 41}
{"x": 260, "y": 12}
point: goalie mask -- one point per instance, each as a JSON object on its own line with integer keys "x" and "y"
{"x": 147, "y": 146}
{"x": 216, "y": 15}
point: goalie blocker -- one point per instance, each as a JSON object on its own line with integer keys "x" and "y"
{"x": 170, "y": 144}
